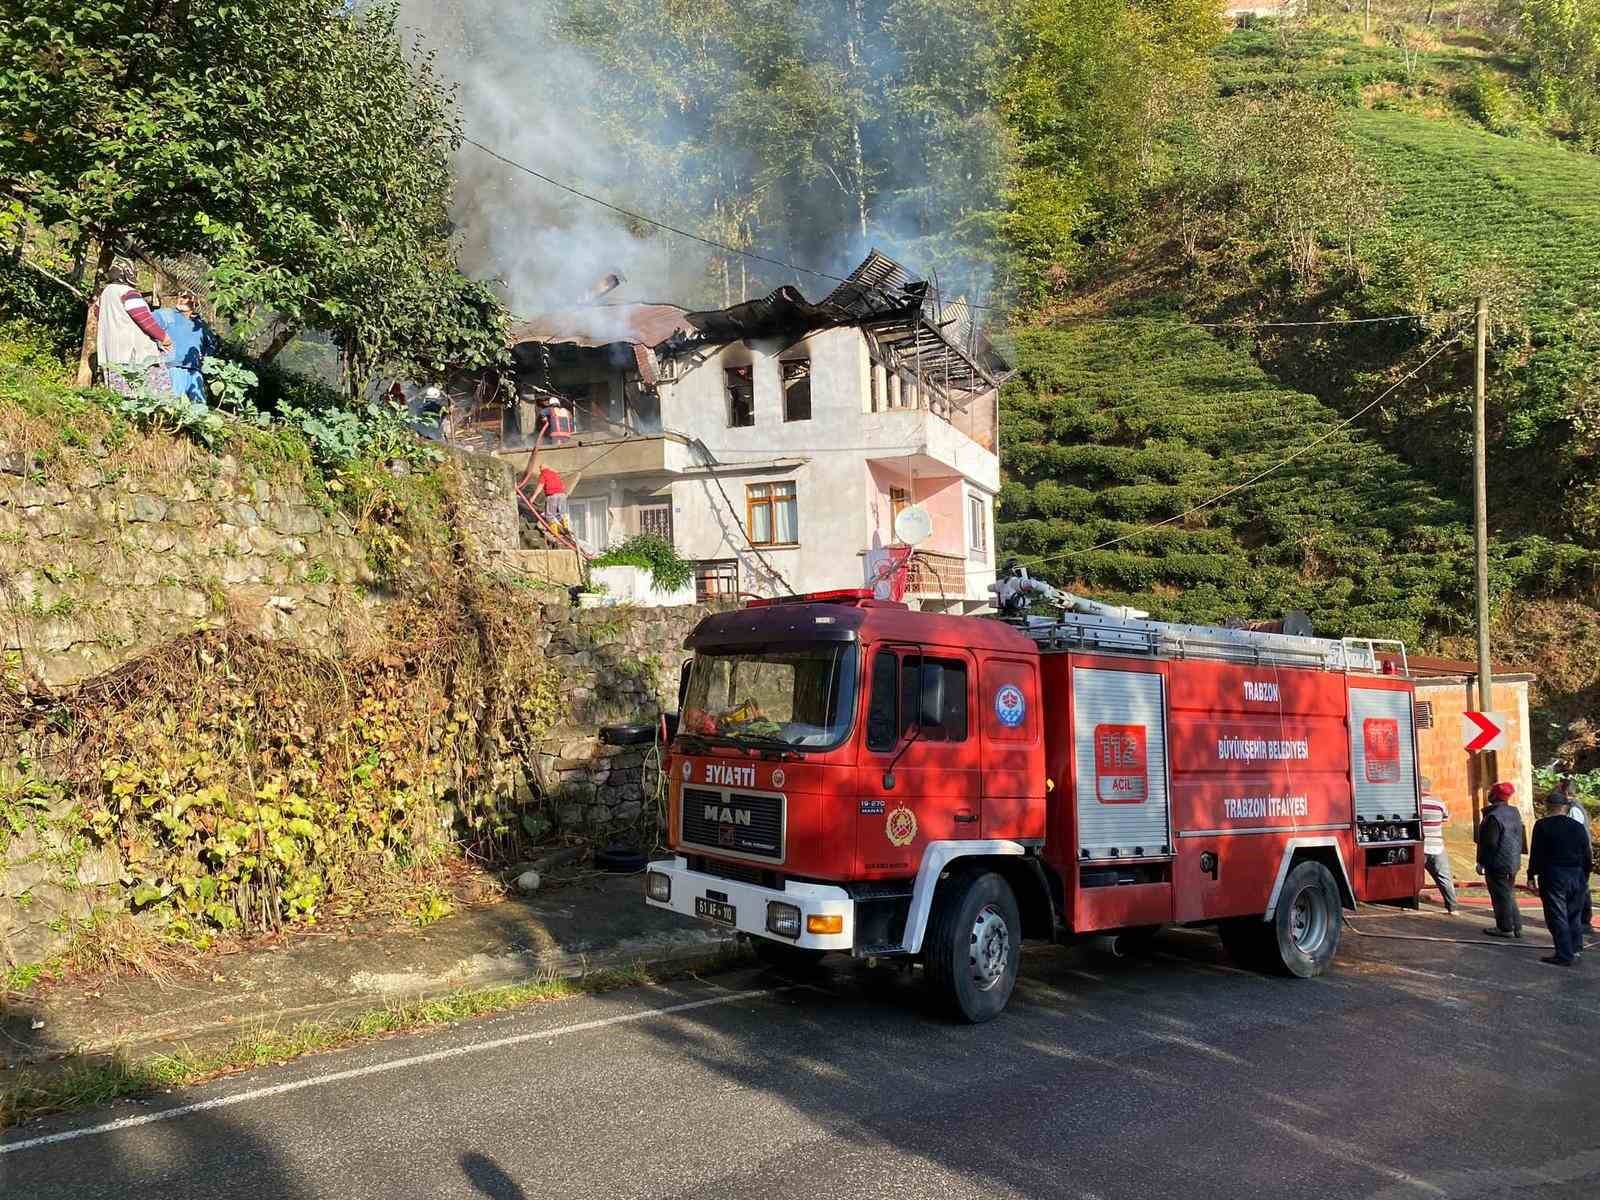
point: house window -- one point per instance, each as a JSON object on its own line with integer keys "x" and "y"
{"x": 1424, "y": 714}
{"x": 796, "y": 389}
{"x": 589, "y": 524}
{"x": 771, "y": 514}
{"x": 908, "y": 691}
{"x": 656, "y": 520}
{"x": 715, "y": 580}
{"x": 741, "y": 388}
{"x": 899, "y": 501}
{"x": 977, "y": 527}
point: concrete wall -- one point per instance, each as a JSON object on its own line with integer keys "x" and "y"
{"x": 830, "y": 482}
{"x": 1451, "y": 769}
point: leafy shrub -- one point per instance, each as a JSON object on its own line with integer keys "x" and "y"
{"x": 668, "y": 572}
{"x": 181, "y": 414}
{"x": 1487, "y": 100}
{"x": 229, "y": 383}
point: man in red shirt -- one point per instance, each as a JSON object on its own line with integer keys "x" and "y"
{"x": 555, "y": 498}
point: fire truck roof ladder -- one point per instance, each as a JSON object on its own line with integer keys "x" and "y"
{"x": 1162, "y": 639}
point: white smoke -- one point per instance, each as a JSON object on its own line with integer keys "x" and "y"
{"x": 521, "y": 91}
{"x": 533, "y": 96}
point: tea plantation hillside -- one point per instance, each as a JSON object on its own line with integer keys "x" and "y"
{"x": 1478, "y": 195}
{"x": 1110, "y": 427}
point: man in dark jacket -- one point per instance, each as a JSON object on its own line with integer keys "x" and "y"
{"x": 1560, "y": 862}
{"x": 1500, "y": 846}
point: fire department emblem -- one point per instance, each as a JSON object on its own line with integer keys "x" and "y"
{"x": 901, "y": 827}
{"x": 777, "y": 777}
{"x": 1010, "y": 706}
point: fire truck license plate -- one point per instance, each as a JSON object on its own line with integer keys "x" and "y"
{"x": 715, "y": 910}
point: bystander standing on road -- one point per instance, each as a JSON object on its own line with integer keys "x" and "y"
{"x": 1559, "y": 863}
{"x": 1576, "y": 811}
{"x": 1501, "y": 842}
{"x": 1436, "y": 858}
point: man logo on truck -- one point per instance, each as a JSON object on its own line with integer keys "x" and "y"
{"x": 727, "y": 816}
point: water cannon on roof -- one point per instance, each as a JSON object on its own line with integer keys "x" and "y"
{"x": 1016, "y": 589}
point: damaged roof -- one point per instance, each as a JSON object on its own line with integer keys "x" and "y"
{"x": 596, "y": 325}
{"x": 901, "y": 314}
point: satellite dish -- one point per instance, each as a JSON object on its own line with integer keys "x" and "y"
{"x": 913, "y": 525}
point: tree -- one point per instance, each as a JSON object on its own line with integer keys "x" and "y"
{"x": 1092, "y": 85}
{"x": 1276, "y": 169}
{"x": 1562, "y": 41}
{"x": 294, "y": 145}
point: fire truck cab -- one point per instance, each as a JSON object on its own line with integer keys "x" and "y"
{"x": 850, "y": 775}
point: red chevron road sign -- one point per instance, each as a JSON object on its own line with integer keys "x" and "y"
{"x": 1483, "y": 731}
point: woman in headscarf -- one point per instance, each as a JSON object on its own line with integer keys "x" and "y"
{"x": 131, "y": 344}
{"x": 191, "y": 343}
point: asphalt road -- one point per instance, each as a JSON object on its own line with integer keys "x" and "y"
{"x": 1417, "y": 1069}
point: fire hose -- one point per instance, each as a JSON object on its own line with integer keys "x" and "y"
{"x": 1502, "y": 944}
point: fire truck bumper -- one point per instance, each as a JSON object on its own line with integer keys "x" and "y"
{"x": 812, "y": 915}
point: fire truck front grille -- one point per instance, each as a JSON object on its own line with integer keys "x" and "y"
{"x": 741, "y": 872}
{"x": 740, "y": 824}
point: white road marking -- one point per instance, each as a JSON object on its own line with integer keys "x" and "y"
{"x": 398, "y": 1064}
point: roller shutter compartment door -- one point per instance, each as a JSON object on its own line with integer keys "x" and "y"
{"x": 1383, "y": 763}
{"x": 1119, "y": 735}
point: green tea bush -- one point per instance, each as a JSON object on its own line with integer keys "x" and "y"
{"x": 1346, "y": 531}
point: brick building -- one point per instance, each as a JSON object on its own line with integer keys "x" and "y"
{"x": 1446, "y": 688}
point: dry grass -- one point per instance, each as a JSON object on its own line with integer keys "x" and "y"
{"x": 113, "y": 943}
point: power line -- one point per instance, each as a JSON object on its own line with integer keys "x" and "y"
{"x": 636, "y": 216}
{"x": 1243, "y": 323}
{"x": 1254, "y": 479}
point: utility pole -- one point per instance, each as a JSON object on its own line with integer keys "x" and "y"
{"x": 1480, "y": 521}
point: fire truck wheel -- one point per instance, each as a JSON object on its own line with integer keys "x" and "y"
{"x": 1308, "y": 921}
{"x": 973, "y": 946}
{"x": 786, "y": 960}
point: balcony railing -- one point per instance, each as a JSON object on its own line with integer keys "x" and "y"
{"x": 941, "y": 576}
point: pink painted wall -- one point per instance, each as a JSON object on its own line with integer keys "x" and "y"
{"x": 941, "y": 495}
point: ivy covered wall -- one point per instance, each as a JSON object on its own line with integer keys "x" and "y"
{"x": 240, "y": 693}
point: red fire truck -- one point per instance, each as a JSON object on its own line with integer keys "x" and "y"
{"x": 850, "y": 775}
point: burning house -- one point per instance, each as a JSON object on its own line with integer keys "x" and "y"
{"x": 775, "y": 442}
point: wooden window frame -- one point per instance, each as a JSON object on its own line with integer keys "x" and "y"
{"x": 706, "y": 570}
{"x": 769, "y": 501}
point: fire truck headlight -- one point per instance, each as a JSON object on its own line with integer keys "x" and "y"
{"x": 827, "y": 923}
{"x": 658, "y": 887}
{"x": 783, "y": 919}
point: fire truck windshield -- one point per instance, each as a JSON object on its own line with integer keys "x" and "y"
{"x": 792, "y": 696}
